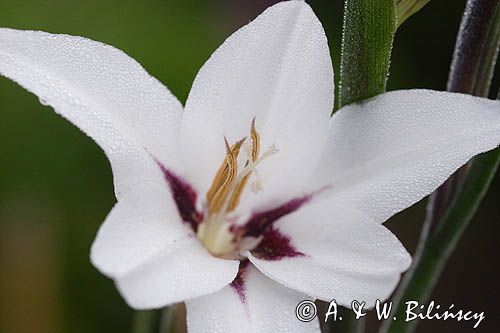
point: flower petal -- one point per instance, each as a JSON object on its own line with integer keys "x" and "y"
{"x": 347, "y": 256}
{"x": 183, "y": 273}
{"x": 277, "y": 69}
{"x": 268, "y": 307}
{"x": 143, "y": 224}
{"x": 102, "y": 91}
{"x": 391, "y": 151}
{"x": 153, "y": 257}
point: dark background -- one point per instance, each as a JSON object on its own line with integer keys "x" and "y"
{"x": 56, "y": 186}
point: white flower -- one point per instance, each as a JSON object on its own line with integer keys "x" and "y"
{"x": 244, "y": 230}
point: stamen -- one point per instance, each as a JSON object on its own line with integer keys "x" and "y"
{"x": 248, "y": 151}
{"x": 225, "y": 193}
{"x": 224, "y": 178}
{"x": 235, "y": 197}
{"x": 254, "y": 135}
{"x": 252, "y": 156}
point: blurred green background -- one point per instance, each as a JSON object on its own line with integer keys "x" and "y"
{"x": 56, "y": 185}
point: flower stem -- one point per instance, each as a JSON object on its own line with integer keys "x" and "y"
{"x": 488, "y": 57}
{"x": 368, "y": 34}
{"x": 367, "y": 38}
{"x": 420, "y": 280}
{"x": 470, "y": 45}
{"x": 146, "y": 321}
{"x": 167, "y": 321}
{"x": 453, "y": 205}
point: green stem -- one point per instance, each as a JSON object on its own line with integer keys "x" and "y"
{"x": 368, "y": 34}
{"x": 489, "y": 57}
{"x": 470, "y": 72}
{"x": 453, "y": 205}
{"x": 146, "y": 321}
{"x": 167, "y": 321}
{"x": 471, "y": 40}
{"x": 440, "y": 245}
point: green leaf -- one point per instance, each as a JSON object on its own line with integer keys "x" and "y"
{"x": 368, "y": 34}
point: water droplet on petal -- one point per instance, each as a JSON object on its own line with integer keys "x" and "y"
{"x": 43, "y": 101}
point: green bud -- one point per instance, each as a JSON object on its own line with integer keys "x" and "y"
{"x": 406, "y": 8}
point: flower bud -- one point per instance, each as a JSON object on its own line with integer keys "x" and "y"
{"x": 406, "y": 8}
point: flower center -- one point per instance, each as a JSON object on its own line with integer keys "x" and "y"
{"x": 223, "y": 196}
{"x": 216, "y": 226}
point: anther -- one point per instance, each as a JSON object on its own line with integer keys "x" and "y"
{"x": 226, "y": 190}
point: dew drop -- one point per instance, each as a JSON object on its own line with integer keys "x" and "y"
{"x": 43, "y": 101}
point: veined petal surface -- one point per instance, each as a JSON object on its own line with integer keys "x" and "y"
{"x": 102, "y": 91}
{"x": 153, "y": 257}
{"x": 387, "y": 153}
{"x": 347, "y": 256}
{"x": 278, "y": 70}
{"x": 265, "y": 307}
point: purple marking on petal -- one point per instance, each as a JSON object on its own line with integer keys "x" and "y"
{"x": 275, "y": 246}
{"x": 184, "y": 196}
{"x": 259, "y": 222}
{"x": 238, "y": 283}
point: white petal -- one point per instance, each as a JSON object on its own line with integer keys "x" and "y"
{"x": 142, "y": 225}
{"x": 269, "y": 307}
{"x": 277, "y": 69}
{"x": 153, "y": 257}
{"x": 102, "y": 91}
{"x": 347, "y": 256}
{"x": 391, "y": 151}
{"x": 183, "y": 273}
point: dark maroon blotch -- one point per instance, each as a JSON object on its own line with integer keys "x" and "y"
{"x": 275, "y": 246}
{"x": 238, "y": 283}
{"x": 259, "y": 222}
{"x": 184, "y": 196}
